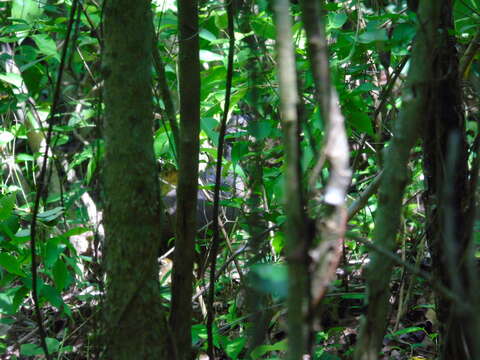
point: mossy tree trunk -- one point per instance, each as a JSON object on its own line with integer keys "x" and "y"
{"x": 294, "y": 205}
{"x": 395, "y": 177}
{"x": 134, "y": 321}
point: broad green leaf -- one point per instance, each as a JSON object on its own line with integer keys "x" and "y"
{"x": 206, "y": 55}
{"x": 20, "y": 295}
{"x": 260, "y": 129}
{"x": 51, "y": 215}
{"x": 60, "y": 275}
{"x": 278, "y": 242}
{"x": 199, "y": 332}
{"x": 46, "y": 45}
{"x": 7, "y": 204}
{"x": 404, "y": 32}
{"x": 264, "y": 28}
{"x": 52, "y": 295}
{"x": 28, "y": 10}
{"x": 11, "y": 264}
{"x": 361, "y": 122}
{"x": 35, "y": 350}
{"x": 75, "y": 231}
{"x": 234, "y": 347}
{"x": 207, "y": 35}
{"x": 10, "y": 226}
{"x": 30, "y": 350}
{"x": 209, "y": 125}
{"x": 161, "y": 143}
{"x": 13, "y": 79}
{"x": 336, "y": 21}
{"x": 405, "y": 331}
{"x": 366, "y": 87}
{"x": 373, "y": 35}
{"x": 22, "y": 157}
{"x": 6, "y": 303}
{"x": 221, "y": 20}
{"x": 52, "y": 345}
{"x": 239, "y": 150}
{"x": 53, "y": 249}
{"x": 261, "y": 350}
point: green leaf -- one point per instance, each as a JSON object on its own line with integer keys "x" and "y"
{"x": 7, "y": 203}
{"x": 373, "y": 35}
{"x": 53, "y": 249}
{"x": 234, "y": 347}
{"x": 261, "y": 350}
{"x": 207, "y": 35}
{"x": 11, "y": 264}
{"x": 52, "y": 345}
{"x": 209, "y": 125}
{"x": 361, "y": 122}
{"x": 278, "y": 242}
{"x": 366, "y": 87}
{"x": 264, "y": 28}
{"x": 13, "y": 79}
{"x": 46, "y": 45}
{"x": 52, "y": 295}
{"x": 404, "y": 32}
{"x": 35, "y": 350}
{"x": 60, "y": 275}
{"x": 260, "y": 129}
{"x": 50, "y": 215}
{"x": 22, "y": 157}
{"x": 221, "y": 20}
{"x": 199, "y": 333}
{"x": 239, "y": 150}
{"x": 19, "y": 298}
{"x": 10, "y": 226}
{"x": 27, "y": 10}
{"x": 405, "y": 331}
{"x": 6, "y": 304}
{"x": 336, "y": 21}
{"x": 30, "y": 350}
{"x": 206, "y": 55}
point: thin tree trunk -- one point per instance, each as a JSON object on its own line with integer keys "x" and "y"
{"x": 447, "y": 196}
{"x": 295, "y": 227}
{"x": 326, "y": 255}
{"x": 134, "y": 320}
{"x": 395, "y": 178}
{"x": 187, "y": 190}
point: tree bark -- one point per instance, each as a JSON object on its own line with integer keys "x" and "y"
{"x": 187, "y": 189}
{"x": 296, "y": 246}
{"x": 447, "y": 193}
{"x": 134, "y": 320}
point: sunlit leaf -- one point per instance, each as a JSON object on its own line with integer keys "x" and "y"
{"x": 11, "y": 264}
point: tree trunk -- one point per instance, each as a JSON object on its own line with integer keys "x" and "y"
{"x": 447, "y": 194}
{"x": 395, "y": 177}
{"x": 295, "y": 228}
{"x": 135, "y": 324}
{"x": 187, "y": 189}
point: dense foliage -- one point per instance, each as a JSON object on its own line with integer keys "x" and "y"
{"x": 51, "y": 76}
